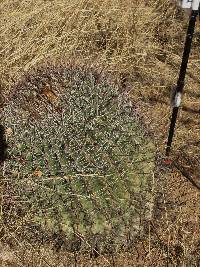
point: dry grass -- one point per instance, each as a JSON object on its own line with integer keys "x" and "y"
{"x": 140, "y": 43}
{"x": 122, "y": 36}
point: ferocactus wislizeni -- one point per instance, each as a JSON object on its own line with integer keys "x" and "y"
{"x": 78, "y": 157}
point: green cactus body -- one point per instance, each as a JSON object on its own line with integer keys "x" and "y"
{"x": 82, "y": 157}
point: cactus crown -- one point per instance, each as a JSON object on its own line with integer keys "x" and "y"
{"x": 80, "y": 158}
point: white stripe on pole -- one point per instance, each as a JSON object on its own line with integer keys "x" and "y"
{"x": 177, "y": 99}
{"x": 186, "y": 4}
{"x": 190, "y": 4}
{"x": 195, "y": 4}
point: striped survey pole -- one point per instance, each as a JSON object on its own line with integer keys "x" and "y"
{"x": 177, "y": 96}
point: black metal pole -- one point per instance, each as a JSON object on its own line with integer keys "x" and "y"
{"x": 181, "y": 79}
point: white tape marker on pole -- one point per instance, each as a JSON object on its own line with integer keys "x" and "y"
{"x": 177, "y": 99}
{"x": 190, "y": 4}
{"x": 195, "y": 4}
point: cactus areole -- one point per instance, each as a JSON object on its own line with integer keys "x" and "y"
{"x": 79, "y": 157}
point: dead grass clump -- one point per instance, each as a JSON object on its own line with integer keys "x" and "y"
{"x": 124, "y": 37}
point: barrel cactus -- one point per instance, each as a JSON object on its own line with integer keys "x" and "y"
{"x": 79, "y": 160}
